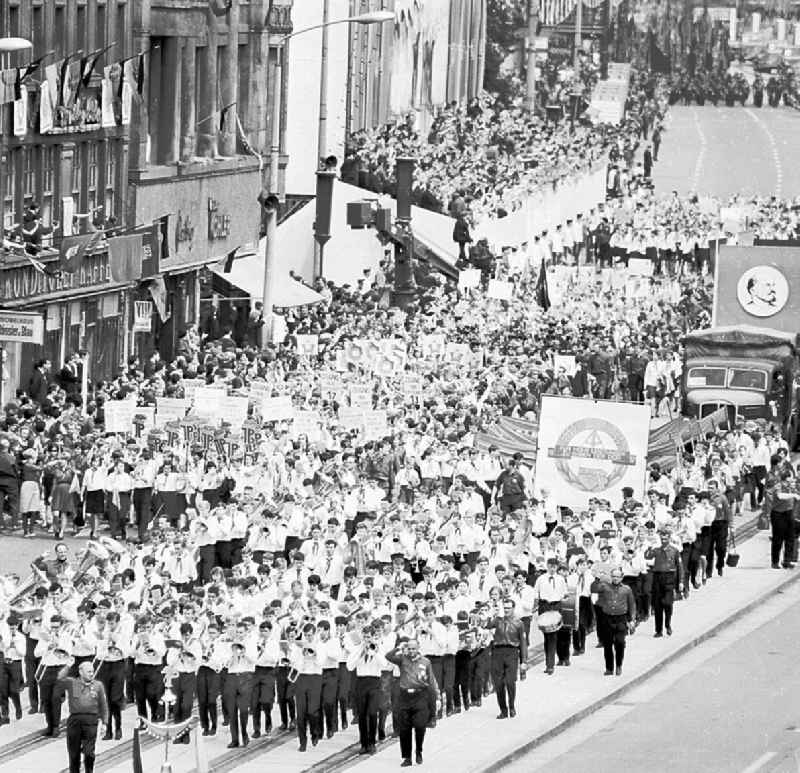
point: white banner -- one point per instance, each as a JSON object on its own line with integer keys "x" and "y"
{"x": 500, "y": 291}
{"x": 119, "y": 415}
{"x": 469, "y": 277}
{"x": 591, "y": 448}
{"x": 277, "y": 408}
{"x": 170, "y": 409}
{"x": 640, "y": 266}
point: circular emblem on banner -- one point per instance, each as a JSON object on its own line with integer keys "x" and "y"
{"x": 592, "y": 455}
{"x": 762, "y": 291}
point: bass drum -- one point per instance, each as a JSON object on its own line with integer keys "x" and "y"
{"x": 569, "y": 611}
{"x": 549, "y": 622}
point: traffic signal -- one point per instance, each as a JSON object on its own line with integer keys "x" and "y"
{"x": 324, "y": 200}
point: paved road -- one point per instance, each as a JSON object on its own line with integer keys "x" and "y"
{"x": 724, "y": 150}
{"x": 17, "y": 553}
{"x": 728, "y": 707}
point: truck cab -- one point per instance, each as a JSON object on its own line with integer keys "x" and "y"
{"x": 749, "y": 371}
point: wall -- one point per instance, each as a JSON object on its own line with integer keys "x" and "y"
{"x": 186, "y": 199}
{"x": 302, "y": 119}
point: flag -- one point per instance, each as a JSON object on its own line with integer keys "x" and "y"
{"x": 156, "y": 246}
{"x": 30, "y": 68}
{"x": 88, "y": 63}
{"x": 158, "y": 292}
{"x": 553, "y": 12}
{"x": 137, "y": 752}
{"x": 248, "y": 148}
{"x": 74, "y": 248}
{"x": 542, "y": 294}
{"x": 229, "y": 258}
{"x": 125, "y": 258}
{"x": 223, "y": 113}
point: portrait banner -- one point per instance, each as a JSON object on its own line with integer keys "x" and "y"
{"x": 591, "y": 448}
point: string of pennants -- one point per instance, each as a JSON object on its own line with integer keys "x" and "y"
{"x": 61, "y": 84}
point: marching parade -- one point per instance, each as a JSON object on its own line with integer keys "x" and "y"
{"x": 379, "y": 507}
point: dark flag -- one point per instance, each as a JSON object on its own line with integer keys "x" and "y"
{"x": 156, "y": 247}
{"x": 659, "y": 61}
{"x": 542, "y": 294}
{"x": 140, "y": 73}
{"x": 74, "y": 249}
{"x": 222, "y": 114}
{"x": 30, "y": 68}
{"x": 229, "y": 258}
{"x": 125, "y": 258}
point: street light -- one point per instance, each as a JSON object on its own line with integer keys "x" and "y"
{"x": 271, "y": 211}
{"x": 10, "y": 46}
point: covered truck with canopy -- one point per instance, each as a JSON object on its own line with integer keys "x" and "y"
{"x": 750, "y": 371}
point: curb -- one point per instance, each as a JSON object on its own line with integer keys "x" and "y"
{"x": 567, "y": 723}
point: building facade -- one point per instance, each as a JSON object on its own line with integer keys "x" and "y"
{"x": 61, "y": 151}
{"x": 200, "y": 141}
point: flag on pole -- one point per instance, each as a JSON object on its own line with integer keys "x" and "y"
{"x": 74, "y": 249}
{"x": 542, "y": 294}
{"x": 229, "y": 258}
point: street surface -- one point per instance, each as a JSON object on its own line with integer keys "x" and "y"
{"x": 720, "y": 151}
{"x": 16, "y": 553}
{"x": 729, "y": 706}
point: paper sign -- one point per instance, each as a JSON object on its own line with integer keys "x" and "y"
{"x": 640, "y": 266}
{"x": 232, "y": 410}
{"x": 469, "y": 277}
{"x": 277, "y": 408}
{"x": 411, "y": 385}
{"x": 375, "y": 425}
{"x": 566, "y": 361}
{"x": 306, "y": 423}
{"x": 170, "y": 409}
{"x": 501, "y": 291}
{"x": 119, "y": 415}
{"x": 308, "y": 345}
{"x": 330, "y": 383}
{"x": 432, "y": 345}
{"x": 350, "y": 418}
{"x": 207, "y": 401}
{"x": 361, "y": 396}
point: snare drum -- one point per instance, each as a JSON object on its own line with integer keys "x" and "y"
{"x": 549, "y": 622}
{"x": 568, "y": 609}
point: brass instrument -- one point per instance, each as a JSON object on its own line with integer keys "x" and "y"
{"x": 406, "y": 622}
{"x": 36, "y": 578}
{"x": 94, "y": 554}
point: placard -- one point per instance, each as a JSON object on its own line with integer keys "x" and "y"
{"x": 468, "y": 278}
{"x": 411, "y": 385}
{"x": 232, "y": 410}
{"x": 566, "y": 361}
{"x": 330, "y": 383}
{"x": 375, "y": 425}
{"x": 207, "y": 401}
{"x": 170, "y": 409}
{"x": 640, "y": 266}
{"x": 361, "y": 396}
{"x": 277, "y": 408}
{"x": 119, "y": 415}
{"x": 350, "y": 418}
{"x": 307, "y": 345}
{"x": 307, "y": 423}
{"x": 501, "y": 291}
{"x": 432, "y": 344}
{"x": 190, "y": 385}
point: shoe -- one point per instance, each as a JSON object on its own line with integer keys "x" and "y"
{"x": 608, "y": 672}
{"x": 419, "y": 758}
{"x": 549, "y": 671}
{"x": 565, "y": 663}
{"x": 657, "y": 635}
{"x": 283, "y": 727}
{"x": 619, "y": 670}
{"x": 669, "y": 630}
{"x": 719, "y": 572}
{"x": 788, "y": 565}
{"x": 118, "y": 734}
{"x": 512, "y": 713}
{"x": 502, "y": 715}
{"x": 302, "y": 747}
{"x": 364, "y": 750}
{"x": 212, "y": 732}
{"x": 55, "y": 734}
{"x": 18, "y": 714}
{"x": 314, "y": 740}
{"x": 406, "y": 763}
{"x": 292, "y": 725}
{"x": 33, "y": 710}
{"x": 449, "y": 713}
{"x": 776, "y": 566}
{"x": 560, "y": 663}
{"x": 432, "y": 723}
{"x": 457, "y": 709}
{"x": 245, "y": 739}
{"x": 256, "y": 734}
{"x": 107, "y": 736}
{"x": 329, "y": 734}
{"x": 233, "y": 745}
{"x": 224, "y": 721}
{"x": 476, "y": 702}
{"x": 344, "y": 724}
{"x": 48, "y": 733}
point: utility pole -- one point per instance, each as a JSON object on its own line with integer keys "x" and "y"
{"x": 530, "y": 67}
{"x": 269, "y": 203}
{"x": 576, "y": 62}
{"x": 405, "y": 288}
{"x": 322, "y": 132}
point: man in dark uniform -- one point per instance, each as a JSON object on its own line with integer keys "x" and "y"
{"x": 666, "y": 580}
{"x": 509, "y": 654}
{"x": 88, "y": 707}
{"x": 619, "y": 608}
{"x": 416, "y": 686}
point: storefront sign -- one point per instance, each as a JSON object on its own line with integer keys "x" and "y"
{"x": 25, "y": 282}
{"x": 219, "y": 224}
{"x": 21, "y": 327}
{"x": 142, "y": 316}
{"x": 184, "y": 230}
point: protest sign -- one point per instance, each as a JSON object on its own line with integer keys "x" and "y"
{"x": 307, "y": 345}
{"x": 330, "y": 383}
{"x": 411, "y": 385}
{"x": 591, "y": 448}
{"x": 566, "y": 361}
{"x": 640, "y": 266}
{"x": 170, "y": 409}
{"x": 501, "y": 291}
{"x": 206, "y": 402}
{"x": 374, "y": 425}
{"x": 119, "y": 415}
{"x": 232, "y": 411}
{"x": 361, "y": 395}
{"x": 190, "y": 385}
{"x": 307, "y": 423}
{"x": 432, "y": 344}
{"x": 350, "y": 418}
{"x": 277, "y": 408}
{"x": 468, "y": 278}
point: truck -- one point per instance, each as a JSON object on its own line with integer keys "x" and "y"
{"x": 750, "y": 371}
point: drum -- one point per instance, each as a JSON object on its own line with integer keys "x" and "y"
{"x": 568, "y": 609}
{"x": 549, "y": 622}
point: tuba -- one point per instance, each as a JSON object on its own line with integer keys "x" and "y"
{"x": 29, "y": 585}
{"x": 94, "y": 554}
{"x": 358, "y": 557}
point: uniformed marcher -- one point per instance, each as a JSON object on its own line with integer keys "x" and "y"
{"x": 416, "y": 685}
{"x": 509, "y": 655}
{"x": 619, "y": 611}
{"x": 88, "y": 708}
{"x": 666, "y": 580}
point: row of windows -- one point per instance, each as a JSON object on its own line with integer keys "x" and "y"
{"x": 33, "y": 173}
{"x": 50, "y": 26}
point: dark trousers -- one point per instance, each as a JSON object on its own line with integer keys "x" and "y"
{"x": 330, "y": 694}
{"x": 461, "y": 694}
{"x": 185, "y": 687}
{"x": 9, "y": 495}
{"x": 208, "y": 688}
{"x": 142, "y": 510}
{"x": 345, "y": 689}
{"x": 563, "y": 636}
{"x": 223, "y": 553}
{"x": 112, "y": 676}
{"x": 237, "y": 543}
{"x": 284, "y": 692}
{"x": 368, "y": 700}
{"x": 411, "y": 715}
{"x": 10, "y": 685}
{"x": 236, "y": 695}
{"x": 448, "y": 679}
{"x": 505, "y": 665}
{"x": 782, "y": 536}
{"x": 118, "y": 516}
{"x": 614, "y": 641}
{"x": 263, "y": 697}
{"x": 758, "y": 476}
{"x": 717, "y": 544}
{"x": 31, "y": 664}
{"x": 663, "y": 599}
{"x": 81, "y": 738}
{"x": 207, "y": 555}
{"x": 51, "y": 697}
{"x": 307, "y": 697}
{"x": 148, "y": 686}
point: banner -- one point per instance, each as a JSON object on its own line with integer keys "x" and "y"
{"x": 23, "y": 327}
{"x": 591, "y": 448}
{"x": 21, "y": 113}
{"x": 119, "y": 415}
{"x": 640, "y": 266}
{"x": 171, "y": 409}
{"x": 307, "y": 423}
{"x": 757, "y": 286}
{"x": 142, "y": 316}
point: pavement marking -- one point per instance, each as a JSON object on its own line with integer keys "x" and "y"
{"x": 698, "y": 167}
{"x": 773, "y": 147}
{"x": 759, "y": 763}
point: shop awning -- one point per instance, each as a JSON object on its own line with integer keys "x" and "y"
{"x": 247, "y": 274}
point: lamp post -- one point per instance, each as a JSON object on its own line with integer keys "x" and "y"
{"x": 9, "y": 46}
{"x": 269, "y": 200}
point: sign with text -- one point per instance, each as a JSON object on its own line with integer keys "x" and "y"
{"x": 500, "y": 291}
{"x": 171, "y": 409}
{"x": 21, "y": 327}
{"x": 119, "y": 415}
{"x": 277, "y": 408}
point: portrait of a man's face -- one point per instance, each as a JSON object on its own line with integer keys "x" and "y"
{"x": 762, "y": 291}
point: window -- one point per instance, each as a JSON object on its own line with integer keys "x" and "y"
{"x": 49, "y": 159}
{"x": 81, "y": 32}
{"x": 13, "y": 21}
{"x": 111, "y": 178}
{"x": 38, "y": 31}
{"x": 91, "y": 178}
{"x": 121, "y": 35}
{"x": 28, "y": 173}
{"x": 100, "y": 33}
{"x": 739, "y": 378}
{"x": 77, "y": 176}
{"x": 9, "y": 189}
{"x": 59, "y": 41}
{"x": 705, "y": 377}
